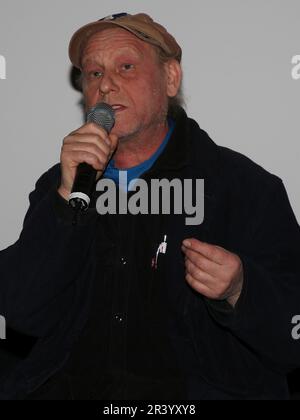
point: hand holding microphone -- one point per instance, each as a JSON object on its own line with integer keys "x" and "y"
{"x": 85, "y": 154}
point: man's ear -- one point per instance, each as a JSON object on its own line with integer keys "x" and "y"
{"x": 174, "y": 77}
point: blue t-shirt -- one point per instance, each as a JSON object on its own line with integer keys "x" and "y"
{"x": 112, "y": 172}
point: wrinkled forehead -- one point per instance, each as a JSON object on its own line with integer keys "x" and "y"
{"x": 114, "y": 41}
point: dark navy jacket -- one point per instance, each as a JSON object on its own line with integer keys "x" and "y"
{"x": 92, "y": 287}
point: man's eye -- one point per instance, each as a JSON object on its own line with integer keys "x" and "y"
{"x": 90, "y": 75}
{"x": 127, "y": 67}
{"x": 97, "y": 74}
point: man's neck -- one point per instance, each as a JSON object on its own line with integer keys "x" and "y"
{"x": 135, "y": 151}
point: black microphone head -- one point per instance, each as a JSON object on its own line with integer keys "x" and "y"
{"x": 103, "y": 115}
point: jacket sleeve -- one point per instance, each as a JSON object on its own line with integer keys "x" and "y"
{"x": 37, "y": 273}
{"x": 263, "y": 316}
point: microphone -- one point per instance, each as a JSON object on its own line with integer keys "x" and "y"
{"x": 80, "y": 198}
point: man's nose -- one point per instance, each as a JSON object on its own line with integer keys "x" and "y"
{"x": 107, "y": 84}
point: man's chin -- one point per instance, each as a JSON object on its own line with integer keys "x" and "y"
{"x": 125, "y": 134}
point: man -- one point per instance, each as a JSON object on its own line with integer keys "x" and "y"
{"x": 116, "y": 316}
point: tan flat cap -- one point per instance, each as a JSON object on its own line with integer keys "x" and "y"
{"x": 141, "y": 25}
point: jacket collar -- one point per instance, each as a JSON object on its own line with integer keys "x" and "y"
{"x": 189, "y": 146}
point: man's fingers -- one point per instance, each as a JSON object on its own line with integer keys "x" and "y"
{"x": 198, "y": 286}
{"x": 199, "y": 274}
{"x": 100, "y": 150}
{"x": 77, "y": 157}
{"x": 212, "y": 252}
{"x": 202, "y": 262}
{"x": 212, "y": 271}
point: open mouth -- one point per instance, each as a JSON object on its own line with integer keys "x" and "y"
{"x": 118, "y": 108}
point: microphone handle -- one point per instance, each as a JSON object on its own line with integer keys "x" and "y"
{"x": 83, "y": 186}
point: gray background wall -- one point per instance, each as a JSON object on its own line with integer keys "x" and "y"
{"x": 239, "y": 83}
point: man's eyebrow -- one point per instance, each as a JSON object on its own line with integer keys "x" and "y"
{"x": 118, "y": 53}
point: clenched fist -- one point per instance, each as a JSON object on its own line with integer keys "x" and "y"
{"x": 213, "y": 271}
{"x": 90, "y": 144}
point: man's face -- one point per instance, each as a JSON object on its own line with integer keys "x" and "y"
{"x": 123, "y": 71}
